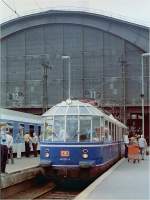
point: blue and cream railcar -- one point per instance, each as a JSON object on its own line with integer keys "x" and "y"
{"x": 79, "y": 140}
{"x": 19, "y": 121}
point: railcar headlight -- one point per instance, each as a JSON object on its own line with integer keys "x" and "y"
{"x": 85, "y": 155}
{"x": 47, "y": 154}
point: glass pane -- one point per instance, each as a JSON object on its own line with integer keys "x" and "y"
{"x": 102, "y": 121}
{"x": 61, "y": 110}
{"x": 96, "y": 129}
{"x": 73, "y": 110}
{"x": 59, "y": 128}
{"x": 83, "y": 110}
{"x": 85, "y": 128}
{"x": 113, "y": 133}
{"x": 71, "y": 128}
{"x": 91, "y": 111}
{"x": 53, "y": 110}
{"x": 48, "y": 129}
{"x": 20, "y": 134}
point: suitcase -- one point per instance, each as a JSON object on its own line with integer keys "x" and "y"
{"x": 133, "y": 153}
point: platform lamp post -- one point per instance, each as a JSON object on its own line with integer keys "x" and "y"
{"x": 45, "y": 66}
{"x": 69, "y": 73}
{"x": 142, "y": 94}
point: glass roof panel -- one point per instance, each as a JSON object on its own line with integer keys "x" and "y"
{"x": 92, "y": 111}
{"x": 83, "y": 111}
{"x": 73, "y": 110}
{"x": 74, "y": 107}
{"x": 61, "y": 110}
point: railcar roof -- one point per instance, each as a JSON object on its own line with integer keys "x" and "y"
{"x": 76, "y": 107}
{"x": 19, "y": 116}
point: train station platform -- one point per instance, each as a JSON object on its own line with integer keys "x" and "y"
{"x": 23, "y": 169}
{"x": 22, "y": 164}
{"x": 125, "y": 180}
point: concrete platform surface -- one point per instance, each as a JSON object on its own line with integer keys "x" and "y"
{"x": 22, "y": 170}
{"x": 124, "y": 181}
{"x": 22, "y": 164}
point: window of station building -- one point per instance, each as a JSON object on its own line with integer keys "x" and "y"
{"x": 85, "y": 128}
{"x": 71, "y": 128}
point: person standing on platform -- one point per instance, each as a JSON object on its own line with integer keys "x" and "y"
{"x": 35, "y": 143}
{"x": 19, "y": 142}
{"x": 27, "y": 140}
{"x": 3, "y": 147}
{"x": 126, "y": 143}
{"x": 10, "y": 145}
{"x": 142, "y": 145}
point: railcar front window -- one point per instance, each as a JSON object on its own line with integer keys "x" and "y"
{"x": 59, "y": 128}
{"x": 71, "y": 128}
{"x": 85, "y": 128}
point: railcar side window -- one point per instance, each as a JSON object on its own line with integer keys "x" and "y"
{"x": 71, "y": 128}
{"x": 106, "y": 132}
{"x": 113, "y": 132}
{"x": 20, "y": 133}
{"x": 21, "y": 127}
{"x": 10, "y": 128}
{"x": 102, "y": 128}
{"x": 31, "y": 130}
{"x": 48, "y": 130}
{"x": 96, "y": 129}
{"x": 39, "y": 131}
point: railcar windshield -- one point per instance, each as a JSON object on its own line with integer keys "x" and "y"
{"x": 59, "y": 128}
{"x": 85, "y": 128}
{"x": 71, "y": 128}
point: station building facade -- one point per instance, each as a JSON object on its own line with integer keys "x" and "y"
{"x": 105, "y": 58}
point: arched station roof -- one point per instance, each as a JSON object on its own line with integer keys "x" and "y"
{"x": 136, "y": 34}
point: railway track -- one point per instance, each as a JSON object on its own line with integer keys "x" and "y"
{"x": 58, "y": 193}
{"x": 33, "y": 190}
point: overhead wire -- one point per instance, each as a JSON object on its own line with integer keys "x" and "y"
{"x": 8, "y": 6}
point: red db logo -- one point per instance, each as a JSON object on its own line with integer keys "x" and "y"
{"x": 64, "y": 153}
